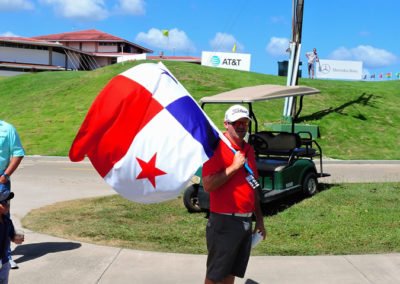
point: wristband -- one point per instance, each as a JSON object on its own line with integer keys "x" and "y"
{"x": 6, "y": 175}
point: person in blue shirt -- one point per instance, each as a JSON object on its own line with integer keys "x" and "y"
{"x": 11, "y": 154}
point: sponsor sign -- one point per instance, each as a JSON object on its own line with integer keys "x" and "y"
{"x": 237, "y": 61}
{"x": 122, "y": 58}
{"x": 338, "y": 69}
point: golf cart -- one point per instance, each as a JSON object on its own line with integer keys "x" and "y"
{"x": 284, "y": 159}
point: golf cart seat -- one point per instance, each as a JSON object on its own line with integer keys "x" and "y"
{"x": 274, "y": 143}
{"x": 267, "y": 167}
{"x": 307, "y": 142}
{"x": 274, "y": 150}
{"x": 277, "y": 150}
{"x": 287, "y": 144}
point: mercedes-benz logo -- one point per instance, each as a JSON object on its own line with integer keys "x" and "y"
{"x": 325, "y": 68}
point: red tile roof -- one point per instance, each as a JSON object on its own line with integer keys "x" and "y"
{"x": 112, "y": 53}
{"x": 86, "y": 35}
{"x": 89, "y": 35}
{"x": 25, "y": 39}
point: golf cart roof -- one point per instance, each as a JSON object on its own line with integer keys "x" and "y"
{"x": 259, "y": 93}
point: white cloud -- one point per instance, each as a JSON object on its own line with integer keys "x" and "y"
{"x": 370, "y": 56}
{"x": 277, "y": 47}
{"x": 80, "y": 10}
{"x": 224, "y": 43}
{"x": 8, "y": 34}
{"x": 131, "y": 7}
{"x": 176, "y": 41}
{"x": 15, "y": 5}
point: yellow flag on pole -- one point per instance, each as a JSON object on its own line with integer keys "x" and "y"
{"x": 165, "y": 33}
{"x": 234, "y": 48}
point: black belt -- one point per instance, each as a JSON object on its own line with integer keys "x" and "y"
{"x": 238, "y": 214}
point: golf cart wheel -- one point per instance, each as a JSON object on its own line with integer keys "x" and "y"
{"x": 310, "y": 184}
{"x": 190, "y": 199}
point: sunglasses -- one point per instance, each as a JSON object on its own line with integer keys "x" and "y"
{"x": 5, "y": 202}
{"x": 240, "y": 123}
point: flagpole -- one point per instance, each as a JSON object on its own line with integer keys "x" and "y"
{"x": 166, "y": 33}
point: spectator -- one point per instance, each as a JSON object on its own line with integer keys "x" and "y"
{"x": 7, "y": 232}
{"x": 312, "y": 57}
{"x": 233, "y": 201}
{"x": 11, "y": 154}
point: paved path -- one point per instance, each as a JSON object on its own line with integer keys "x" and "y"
{"x": 44, "y": 259}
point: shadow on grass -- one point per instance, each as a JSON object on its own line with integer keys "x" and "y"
{"x": 364, "y": 99}
{"x": 274, "y": 207}
{"x": 277, "y": 206}
{"x": 32, "y": 251}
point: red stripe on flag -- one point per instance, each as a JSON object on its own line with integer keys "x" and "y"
{"x": 118, "y": 113}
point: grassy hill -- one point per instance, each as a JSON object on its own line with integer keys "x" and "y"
{"x": 357, "y": 120}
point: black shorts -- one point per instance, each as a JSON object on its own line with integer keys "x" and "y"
{"x": 229, "y": 245}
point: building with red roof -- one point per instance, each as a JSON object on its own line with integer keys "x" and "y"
{"x": 104, "y": 47}
{"x": 19, "y": 55}
{"x": 80, "y": 50}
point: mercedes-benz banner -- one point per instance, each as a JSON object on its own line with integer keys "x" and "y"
{"x": 338, "y": 69}
{"x": 237, "y": 61}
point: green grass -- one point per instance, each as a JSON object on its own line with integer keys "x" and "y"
{"x": 357, "y": 120}
{"x": 342, "y": 219}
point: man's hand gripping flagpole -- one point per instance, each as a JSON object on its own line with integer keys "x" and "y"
{"x": 250, "y": 178}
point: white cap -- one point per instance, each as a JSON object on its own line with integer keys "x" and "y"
{"x": 236, "y": 112}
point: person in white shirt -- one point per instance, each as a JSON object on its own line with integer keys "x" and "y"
{"x": 312, "y": 57}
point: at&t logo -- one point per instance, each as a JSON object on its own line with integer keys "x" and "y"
{"x": 215, "y": 61}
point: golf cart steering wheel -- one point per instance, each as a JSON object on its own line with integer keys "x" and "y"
{"x": 258, "y": 142}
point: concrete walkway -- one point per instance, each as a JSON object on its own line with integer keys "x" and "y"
{"x": 42, "y": 181}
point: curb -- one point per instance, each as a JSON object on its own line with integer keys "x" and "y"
{"x": 325, "y": 161}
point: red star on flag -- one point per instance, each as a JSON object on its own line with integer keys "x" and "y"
{"x": 149, "y": 170}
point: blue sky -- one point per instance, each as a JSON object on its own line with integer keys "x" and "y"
{"x": 361, "y": 30}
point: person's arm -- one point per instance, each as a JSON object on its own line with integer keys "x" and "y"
{"x": 14, "y": 163}
{"x": 259, "y": 227}
{"x": 213, "y": 181}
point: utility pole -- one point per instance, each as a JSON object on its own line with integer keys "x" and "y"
{"x": 293, "y": 67}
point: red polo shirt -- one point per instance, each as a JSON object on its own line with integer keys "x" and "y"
{"x": 236, "y": 195}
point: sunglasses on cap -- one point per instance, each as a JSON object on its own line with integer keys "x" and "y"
{"x": 238, "y": 123}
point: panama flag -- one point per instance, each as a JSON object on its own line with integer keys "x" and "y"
{"x": 145, "y": 135}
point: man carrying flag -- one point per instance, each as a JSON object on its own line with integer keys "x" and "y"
{"x": 233, "y": 201}
{"x": 146, "y": 136}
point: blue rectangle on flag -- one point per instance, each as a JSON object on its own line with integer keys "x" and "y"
{"x": 188, "y": 113}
